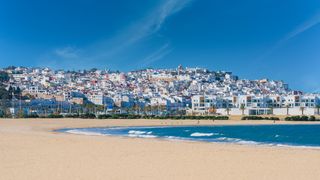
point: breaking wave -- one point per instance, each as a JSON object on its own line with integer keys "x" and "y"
{"x": 142, "y": 134}
{"x": 236, "y": 140}
{"x": 139, "y": 132}
{"x": 198, "y": 134}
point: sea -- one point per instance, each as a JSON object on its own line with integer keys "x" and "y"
{"x": 304, "y": 136}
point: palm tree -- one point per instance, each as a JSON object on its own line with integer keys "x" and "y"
{"x": 163, "y": 108}
{"x": 287, "y": 106}
{"x": 242, "y": 108}
{"x": 154, "y": 110}
{"x": 148, "y": 109}
{"x": 100, "y": 108}
{"x": 318, "y": 109}
{"x": 89, "y": 107}
{"x": 228, "y": 111}
{"x": 128, "y": 110}
{"x": 271, "y": 110}
{"x": 302, "y": 110}
{"x": 115, "y": 109}
{"x": 136, "y": 108}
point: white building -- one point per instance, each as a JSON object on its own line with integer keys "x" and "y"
{"x": 97, "y": 99}
{"x": 257, "y": 105}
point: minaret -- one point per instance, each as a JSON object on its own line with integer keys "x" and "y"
{"x": 180, "y": 69}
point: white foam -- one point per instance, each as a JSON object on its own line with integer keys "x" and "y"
{"x": 238, "y": 141}
{"x": 174, "y": 138}
{"x": 142, "y": 136}
{"x": 197, "y": 134}
{"x": 135, "y": 132}
{"x": 296, "y": 146}
{"x": 75, "y": 131}
{"x": 227, "y": 139}
{"x": 248, "y": 142}
{"x": 171, "y": 137}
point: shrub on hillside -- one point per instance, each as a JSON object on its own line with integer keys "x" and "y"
{"x": 87, "y": 116}
{"x": 104, "y": 116}
{"x": 31, "y": 116}
{"x": 222, "y": 118}
{"x": 312, "y": 118}
{"x": 259, "y": 118}
{"x": 301, "y": 118}
{"x": 304, "y": 118}
{"x": 132, "y": 116}
{"x": 54, "y": 116}
{"x": 252, "y": 118}
{"x": 72, "y": 116}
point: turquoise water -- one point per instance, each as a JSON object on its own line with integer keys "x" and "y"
{"x": 274, "y": 135}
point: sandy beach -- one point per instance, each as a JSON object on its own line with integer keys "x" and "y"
{"x": 30, "y": 150}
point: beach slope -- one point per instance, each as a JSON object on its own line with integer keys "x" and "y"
{"x": 30, "y": 150}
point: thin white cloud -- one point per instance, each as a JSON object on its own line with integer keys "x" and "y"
{"x": 126, "y": 40}
{"x": 155, "y": 20}
{"x": 305, "y": 26}
{"x": 67, "y": 52}
{"x": 140, "y": 30}
{"x": 157, "y": 55}
{"x": 315, "y": 20}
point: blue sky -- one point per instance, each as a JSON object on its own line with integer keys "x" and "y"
{"x": 254, "y": 39}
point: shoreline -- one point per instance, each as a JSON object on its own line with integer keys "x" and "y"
{"x": 241, "y": 142}
{"x": 30, "y": 149}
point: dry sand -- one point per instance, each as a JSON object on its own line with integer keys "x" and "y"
{"x": 30, "y": 150}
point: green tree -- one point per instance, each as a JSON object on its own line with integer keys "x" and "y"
{"x": 4, "y": 77}
{"x": 20, "y": 114}
{"x": 242, "y": 108}
{"x": 4, "y": 94}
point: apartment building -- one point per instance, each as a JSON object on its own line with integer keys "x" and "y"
{"x": 257, "y": 105}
